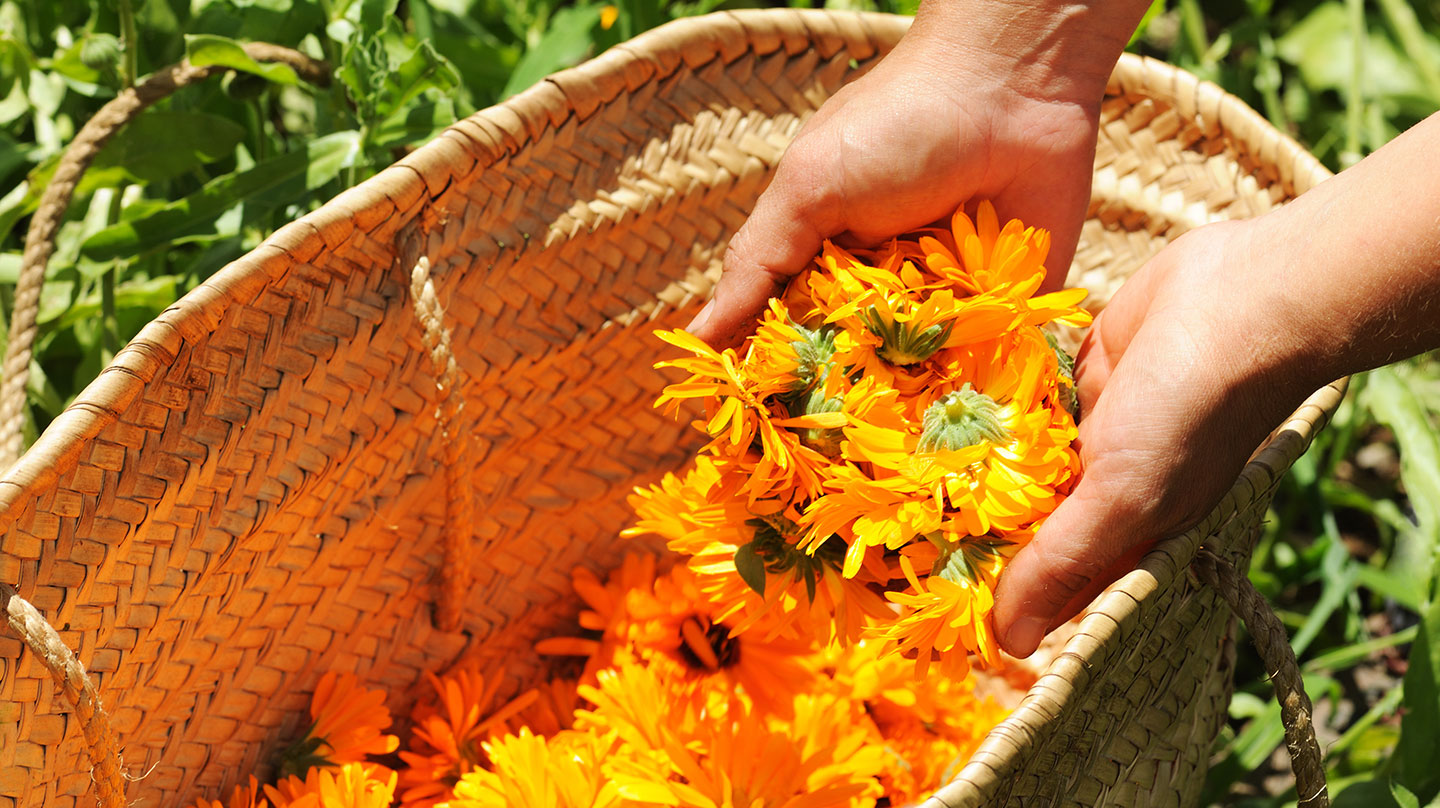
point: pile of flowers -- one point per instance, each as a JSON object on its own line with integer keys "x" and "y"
{"x": 668, "y": 709}
{"x": 897, "y": 427}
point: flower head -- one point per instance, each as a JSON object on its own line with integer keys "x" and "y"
{"x": 353, "y": 785}
{"x": 564, "y": 771}
{"x": 449, "y": 730}
{"x": 349, "y": 724}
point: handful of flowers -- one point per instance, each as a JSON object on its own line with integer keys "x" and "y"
{"x": 898, "y": 425}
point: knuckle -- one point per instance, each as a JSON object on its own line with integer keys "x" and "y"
{"x": 1068, "y": 570}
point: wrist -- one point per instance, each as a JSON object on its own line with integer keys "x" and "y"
{"x": 1043, "y": 50}
{"x": 1278, "y": 330}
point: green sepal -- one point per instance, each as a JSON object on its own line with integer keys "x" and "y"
{"x": 902, "y": 343}
{"x": 302, "y": 756}
{"x": 959, "y": 562}
{"x": 780, "y": 555}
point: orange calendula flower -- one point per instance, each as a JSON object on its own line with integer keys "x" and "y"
{"x": 670, "y": 625}
{"x": 820, "y": 758}
{"x": 752, "y": 568}
{"x": 349, "y": 726}
{"x": 928, "y": 727}
{"x": 895, "y": 316}
{"x": 353, "y": 785}
{"x": 449, "y": 730}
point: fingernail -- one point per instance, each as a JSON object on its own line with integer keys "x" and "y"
{"x": 1025, "y": 636}
{"x": 702, "y": 318}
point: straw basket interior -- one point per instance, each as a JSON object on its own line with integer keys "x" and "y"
{"x": 255, "y": 492}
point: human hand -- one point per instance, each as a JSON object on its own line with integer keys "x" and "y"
{"x": 1181, "y": 377}
{"x": 995, "y": 101}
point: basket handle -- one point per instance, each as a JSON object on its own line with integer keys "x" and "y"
{"x": 40, "y": 236}
{"x": 455, "y": 441}
{"x": 71, "y": 680}
{"x": 1268, "y": 636}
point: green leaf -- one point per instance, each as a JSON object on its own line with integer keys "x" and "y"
{"x": 411, "y": 74}
{"x": 284, "y": 22}
{"x": 208, "y": 49}
{"x": 318, "y": 163}
{"x": 14, "y": 104}
{"x": 13, "y": 154}
{"x": 1259, "y": 738}
{"x": 1367, "y": 794}
{"x": 371, "y": 16}
{"x": 1403, "y": 796}
{"x": 1422, "y": 49}
{"x": 417, "y": 124}
{"x": 1417, "y": 753}
{"x": 566, "y": 41}
{"x": 81, "y": 61}
{"x": 1156, "y": 8}
{"x": 751, "y": 567}
{"x": 1350, "y": 655}
{"x": 161, "y": 144}
{"x": 1394, "y": 402}
{"x": 1319, "y": 46}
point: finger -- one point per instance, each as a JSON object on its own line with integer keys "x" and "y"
{"x": 1054, "y": 200}
{"x": 784, "y": 233}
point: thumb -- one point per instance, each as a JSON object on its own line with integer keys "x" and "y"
{"x": 1084, "y": 545}
{"x": 783, "y": 234}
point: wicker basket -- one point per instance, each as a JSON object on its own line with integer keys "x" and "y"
{"x": 257, "y": 490}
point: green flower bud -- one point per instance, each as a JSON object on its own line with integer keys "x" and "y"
{"x": 961, "y": 419}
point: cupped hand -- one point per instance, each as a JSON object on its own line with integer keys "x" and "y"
{"x": 1180, "y": 379}
{"x": 924, "y": 132}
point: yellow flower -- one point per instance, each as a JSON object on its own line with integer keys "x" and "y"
{"x": 868, "y": 513}
{"x": 736, "y": 759}
{"x": 928, "y": 727}
{"x": 354, "y": 785}
{"x": 895, "y": 315}
{"x": 750, "y": 418}
{"x": 896, "y": 406}
{"x": 993, "y": 452}
{"x": 669, "y": 624}
{"x": 784, "y": 591}
{"x": 947, "y": 615}
{"x": 532, "y": 771}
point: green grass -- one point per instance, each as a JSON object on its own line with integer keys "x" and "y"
{"x": 1347, "y": 551}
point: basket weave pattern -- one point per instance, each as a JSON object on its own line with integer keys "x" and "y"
{"x": 255, "y": 491}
